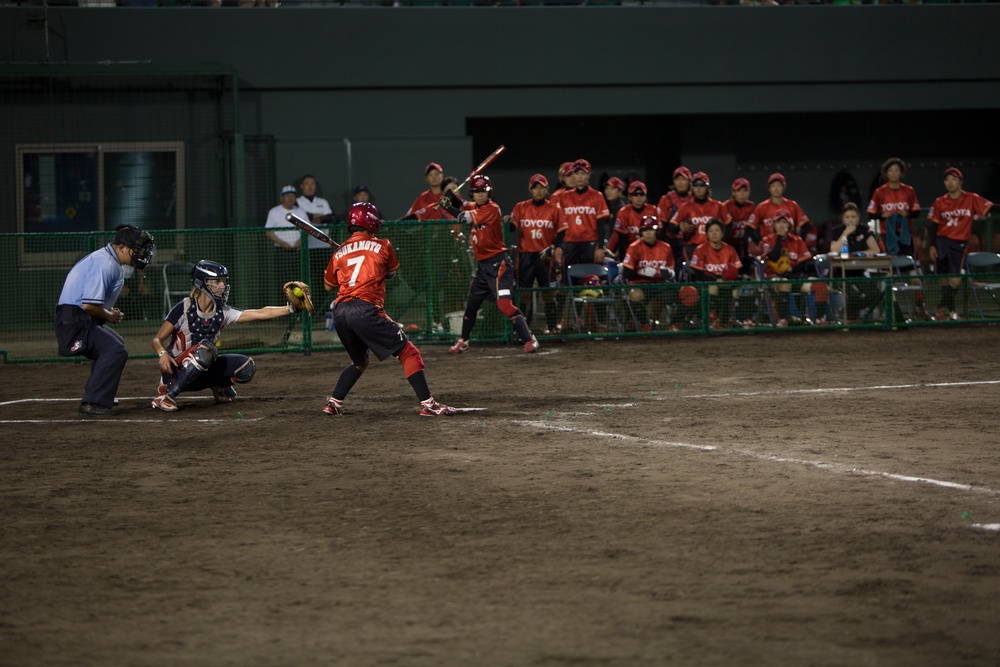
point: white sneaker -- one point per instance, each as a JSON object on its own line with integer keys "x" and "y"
{"x": 531, "y": 345}
{"x": 431, "y": 408}
{"x": 460, "y": 346}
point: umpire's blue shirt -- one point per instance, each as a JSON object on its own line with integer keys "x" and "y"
{"x": 96, "y": 279}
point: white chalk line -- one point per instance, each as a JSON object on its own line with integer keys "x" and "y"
{"x": 516, "y": 355}
{"x": 821, "y": 465}
{"x": 118, "y": 420}
{"x": 133, "y": 398}
{"x": 827, "y": 390}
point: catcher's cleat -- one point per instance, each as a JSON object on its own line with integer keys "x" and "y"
{"x": 224, "y": 394}
{"x": 460, "y": 346}
{"x": 165, "y": 403}
{"x": 531, "y": 345}
{"x": 431, "y": 408}
{"x": 333, "y": 406}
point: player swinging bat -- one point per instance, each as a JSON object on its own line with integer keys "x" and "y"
{"x": 482, "y": 165}
{"x": 310, "y": 229}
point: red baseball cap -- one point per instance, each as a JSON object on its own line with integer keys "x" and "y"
{"x": 776, "y": 177}
{"x": 700, "y": 176}
{"x": 637, "y": 186}
{"x": 432, "y": 165}
{"x": 682, "y": 171}
{"x": 581, "y": 164}
{"x": 954, "y": 171}
{"x": 741, "y": 183}
{"x": 782, "y": 213}
{"x": 616, "y": 182}
{"x": 538, "y": 179}
{"x": 566, "y": 168}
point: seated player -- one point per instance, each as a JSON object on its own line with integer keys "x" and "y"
{"x": 649, "y": 263}
{"x": 786, "y": 257}
{"x": 716, "y": 261}
{"x": 186, "y": 342}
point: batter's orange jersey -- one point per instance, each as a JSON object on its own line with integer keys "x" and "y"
{"x": 698, "y": 214}
{"x": 423, "y": 207}
{"x": 536, "y": 224}
{"x": 671, "y": 202}
{"x": 641, "y": 255}
{"x": 763, "y": 215}
{"x": 486, "y": 238}
{"x": 580, "y": 213}
{"x": 708, "y": 259}
{"x": 626, "y": 229}
{"x": 794, "y": 248}
{"x": 954, "y": 216}
{"x": 359, "y": 266}
{"x": 740, "y": 218}
{"x": 886, "y": 201}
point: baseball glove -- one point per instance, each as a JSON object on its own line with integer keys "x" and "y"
{"x": 299, "y": 303}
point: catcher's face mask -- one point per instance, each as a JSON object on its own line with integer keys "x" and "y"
{"x": 213, "y": 279}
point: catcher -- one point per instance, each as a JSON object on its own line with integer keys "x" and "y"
{"x": 187, "y": 341}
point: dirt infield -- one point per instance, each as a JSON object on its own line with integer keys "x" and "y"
{"x": 824, "y": 499}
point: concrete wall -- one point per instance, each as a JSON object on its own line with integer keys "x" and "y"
{"x": 404, "y": 86}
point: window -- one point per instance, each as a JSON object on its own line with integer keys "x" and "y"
{"x": 96, "y": 187}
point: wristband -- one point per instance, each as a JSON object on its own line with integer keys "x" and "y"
{"x": 291, "y": 311}
{"x": 161, "y": 353}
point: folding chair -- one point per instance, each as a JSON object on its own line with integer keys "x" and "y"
{"x": 907, "y": 283}
{"x": 581, "y": 304}
{"x": 984, "y": 263}
{"x": 176, "y": 283}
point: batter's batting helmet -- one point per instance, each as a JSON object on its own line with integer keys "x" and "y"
{"x": 591, "y": 280}
{"x": 688, "y": 295}
{"x": 481, "y": 184}
{"x": 365, "y": 215}
{"x": 205, "y": 269}
{"x": 649, "y": 222}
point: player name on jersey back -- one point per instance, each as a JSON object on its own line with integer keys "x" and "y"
{"x": 373, "y": 245}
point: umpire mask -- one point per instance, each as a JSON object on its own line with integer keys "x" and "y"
{"x": 206, "y": 269}
{"x": 141, "y": 243}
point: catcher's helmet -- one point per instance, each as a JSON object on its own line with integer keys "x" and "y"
{"x": 365, "y": 215}
{"x": 591, "y": 280}
{"x": 481, "y": 184}
{"x": 649, "y": 222}
{"x": 206, "y": 269}
{"x": 141, "y": 243}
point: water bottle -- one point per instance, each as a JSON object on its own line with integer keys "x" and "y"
{"x": 844, "y": 251}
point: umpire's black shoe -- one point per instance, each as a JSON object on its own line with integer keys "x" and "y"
{"x": 95, "y": 410}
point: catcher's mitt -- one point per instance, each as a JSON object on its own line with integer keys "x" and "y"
{"x": 298, "y": 303}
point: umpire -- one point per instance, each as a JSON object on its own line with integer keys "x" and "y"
{"x": 86, "y": 304}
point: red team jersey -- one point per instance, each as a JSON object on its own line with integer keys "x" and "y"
{"x": 358, "y": 268}
{"x": 580, "y": 213}
{"x": 486, "y": 238}
{"x": 886, "y": 201}
{"x": 954, "y": 216}
{"x": 708, "y": 259}
{"x": 536, "y": 224}
{"x": 424, "y": 209}
{"x": 698, "y": 214}
{"x": 671, "y": 202}
{"x": 627, "y": 224}
{"x": 642, "y": 255}
{"x": 739, "y": 220}
{"x": 763, "y": 215}
{"x": 794, "y": 248}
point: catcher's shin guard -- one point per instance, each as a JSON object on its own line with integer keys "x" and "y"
{"x": 195, "y": 361}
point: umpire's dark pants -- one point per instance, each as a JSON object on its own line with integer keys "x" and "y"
{"x": 80, "y": 334}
